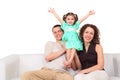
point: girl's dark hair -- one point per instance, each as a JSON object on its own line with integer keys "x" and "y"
{"x": 96, "y": 38}
{"x": 72, "y": 14}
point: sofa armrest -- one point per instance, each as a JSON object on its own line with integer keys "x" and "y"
{"x": 116, "y": 60}
{"x": 9, "y": 67}
{"x": 109, "y": 66}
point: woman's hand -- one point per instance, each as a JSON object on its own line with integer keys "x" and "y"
{"x": 82, "y": 72}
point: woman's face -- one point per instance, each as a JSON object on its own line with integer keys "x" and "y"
{"x": 88, "y": 35}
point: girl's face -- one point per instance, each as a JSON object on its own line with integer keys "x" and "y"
{"x": 70, "y": 19}
{"x": 88, "y": 34}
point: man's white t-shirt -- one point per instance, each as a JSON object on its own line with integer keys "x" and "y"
{"x": 57, "y": 63}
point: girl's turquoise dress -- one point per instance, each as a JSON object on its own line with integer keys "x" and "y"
{"x": 71, "y": 37}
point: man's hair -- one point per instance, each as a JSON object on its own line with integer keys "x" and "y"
{"x": 57, "y": 25}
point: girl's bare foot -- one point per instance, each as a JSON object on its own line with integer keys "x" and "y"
{"x": 67, "y": 64}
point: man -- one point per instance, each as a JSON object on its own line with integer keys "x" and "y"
{"x": 54, "y": 69}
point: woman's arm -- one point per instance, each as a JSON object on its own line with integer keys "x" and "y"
{"x": 92, "y": 12}
{"x": 51, "y": 10}
{"x": 100, "y": 61}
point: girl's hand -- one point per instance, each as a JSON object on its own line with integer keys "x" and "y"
{"x": 51, "y": 10}
{"x": 91, "y": 12}
{"x": 67, "y": 64}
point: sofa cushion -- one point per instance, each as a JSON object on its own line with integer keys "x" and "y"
{"x": 114, "y": 78}
{"x": 109, "y": 68}
{"x": 18, "y": 78}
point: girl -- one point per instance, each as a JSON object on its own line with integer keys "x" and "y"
{"x": 72, "y": 42}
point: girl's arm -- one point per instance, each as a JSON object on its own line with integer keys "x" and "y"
{"x": 100, "y": 61}
{"x": 92, "y": 12}
{"x": 51, "y": 10}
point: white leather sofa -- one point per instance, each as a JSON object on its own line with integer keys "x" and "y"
{"x": 12, "y": 66}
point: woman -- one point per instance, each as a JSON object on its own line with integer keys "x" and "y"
{"x": 91, "y": 58}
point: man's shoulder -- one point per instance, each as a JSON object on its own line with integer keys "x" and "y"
{"x": 50, "y": 42}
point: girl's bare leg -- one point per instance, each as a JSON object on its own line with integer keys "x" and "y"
{"x": 73, "y": 65}
{"x": 70, "y": 56}
{"x": 77, "y": 61}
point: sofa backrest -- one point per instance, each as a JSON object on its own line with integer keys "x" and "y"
{"x": 30, "y": 62}
{"x": 35, "y": 61}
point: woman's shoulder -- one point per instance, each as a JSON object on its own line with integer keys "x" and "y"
{"x": 98, "y": 47}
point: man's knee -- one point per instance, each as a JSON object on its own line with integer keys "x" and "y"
{"x": 26, "y": 75}
{"x": 64, "y": 76}
{"x": 69, "y": 77}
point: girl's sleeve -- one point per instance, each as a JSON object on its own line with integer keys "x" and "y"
{"x": 77, "y": 25}
{"x": 63, "y": 25}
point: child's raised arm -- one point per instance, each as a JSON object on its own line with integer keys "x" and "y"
{"x": 51, "y": 10}
{"x": 92, "y": 12}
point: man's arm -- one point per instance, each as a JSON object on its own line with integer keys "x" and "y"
{"x": 49, "y": 54}
{"x": 54, "y": 55}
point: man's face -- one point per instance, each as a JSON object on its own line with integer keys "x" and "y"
{"x": 57, "y": 32}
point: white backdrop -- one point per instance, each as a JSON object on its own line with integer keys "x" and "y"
{"x": 25, "y": 25}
